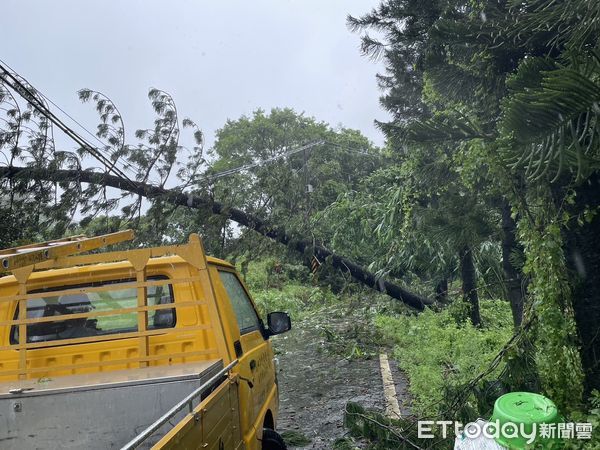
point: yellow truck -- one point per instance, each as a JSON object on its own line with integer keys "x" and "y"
{"x": 144, "y": 348}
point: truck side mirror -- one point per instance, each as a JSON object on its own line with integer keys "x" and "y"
{"x": 279, "y": 322}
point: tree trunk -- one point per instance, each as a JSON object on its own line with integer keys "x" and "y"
{"x": 248, "y": 220}
{"x": 583, "y": 259}
{"x": 223, "y": 238}
{"x": 441, "y": 291}
{"x": 469, "y": 283}
{"x": 512, "y": 276}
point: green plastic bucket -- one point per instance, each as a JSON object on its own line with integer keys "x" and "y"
{"x": 526, "y": 410}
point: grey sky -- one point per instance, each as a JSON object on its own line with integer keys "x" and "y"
{"x": 219, "y": 59}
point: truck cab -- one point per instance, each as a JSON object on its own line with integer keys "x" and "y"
{"x": 156, "y": 347}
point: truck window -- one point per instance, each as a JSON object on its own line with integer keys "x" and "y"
{"x": 76, "y": 303}
{"x": 247, "y": 318}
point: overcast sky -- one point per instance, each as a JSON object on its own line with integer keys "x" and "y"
{"x": 219, "y": 59}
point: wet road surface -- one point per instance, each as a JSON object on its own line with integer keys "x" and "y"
{"x": 315, "y": 385}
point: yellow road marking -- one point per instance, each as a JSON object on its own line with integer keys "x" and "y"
{"x": 392, "y": 408}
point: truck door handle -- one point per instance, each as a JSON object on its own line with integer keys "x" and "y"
{"x": 252, "y": 365}
{"x": 250, "y": 383}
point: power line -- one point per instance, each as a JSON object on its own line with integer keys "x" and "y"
{"x": 361, "y": 151}
{"x": 264, "y": 161}
{"x": 31, "y": 98}
{"x": 8, "y": 77}
{"x": 293, "y": 151}
{"x": 49, "y": 100}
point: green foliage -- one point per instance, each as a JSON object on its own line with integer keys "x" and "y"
{"x": 275, "y": 190}
{"x": 572, "y": 24}
{"x": 509, "y": 91}
{"x": 552, "y": 117}
{"x": 273, "y": 272}
{"x": 279, "y": 286}
{"x": 438, "y": 352}
{"x": 295, "y": 438}
{"x": 344, "y": 444}
{"x": 381, "y": 432}
{"x": 492, "y": 103}
{"x": 296, "y": 299}
{"x": 592, "y": 415}
{"x": 557, "y": 357}
{"x": 355, "y": 337}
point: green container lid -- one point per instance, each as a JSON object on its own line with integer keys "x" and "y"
{"x": 526, "y": 410}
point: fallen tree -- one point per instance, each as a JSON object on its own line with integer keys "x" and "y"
{"x": 248, "y": 220}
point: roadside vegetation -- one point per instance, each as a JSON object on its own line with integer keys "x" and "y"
{"x": 443, "y": 351}
{"x": 281, "y": 286}
{"x": 440, "y": 352}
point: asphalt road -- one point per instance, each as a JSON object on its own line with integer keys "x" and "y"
{"x": 315, "y": 385}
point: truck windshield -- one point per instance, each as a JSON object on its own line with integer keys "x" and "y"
{"x": 114, "y": 299}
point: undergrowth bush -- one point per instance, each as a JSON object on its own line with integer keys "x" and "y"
{"x": 271, "y": 272}
{"x": 439, "y": 350}
{"x": 278, "y": 286}
{"x": 295, "y": 299}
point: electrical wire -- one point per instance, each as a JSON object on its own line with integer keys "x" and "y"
{"x": 264, "y": 161}
{"x": 110, "y": 165}
{"x": 288, "y": 153}
{"x": 362, "y": 152}
{"x": 49, "y": 100}
{"x": 8, "y": 76}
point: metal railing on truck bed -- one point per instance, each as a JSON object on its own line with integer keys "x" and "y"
{"x": 99, "y": 410}
{"x": 181, "y": 431}
{"x": 22, "y": 261}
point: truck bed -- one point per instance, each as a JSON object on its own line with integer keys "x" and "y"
{"x": 95, "y": 411}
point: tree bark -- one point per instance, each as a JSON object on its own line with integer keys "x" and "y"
{"x": 441, "y": 291}
{"x": 196, "y": 202}
{"x": 582, "y": 246}
{"x": 512, "y": 276}
{"x": 469, "y": 283}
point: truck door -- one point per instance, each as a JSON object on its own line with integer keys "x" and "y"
{"x": 254, "y": 352}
